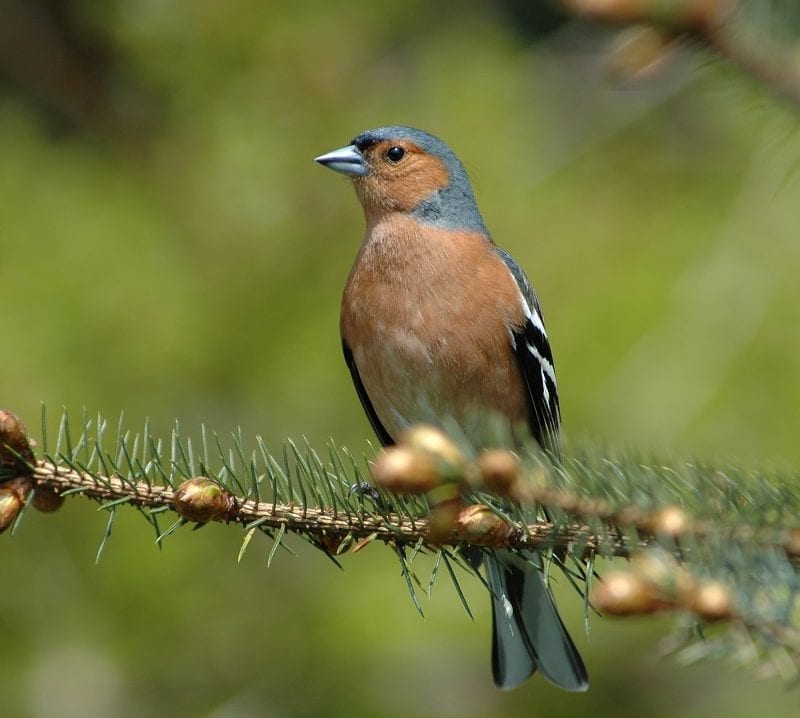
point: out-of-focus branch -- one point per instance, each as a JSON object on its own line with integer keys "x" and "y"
{"x": 710, "y": 23}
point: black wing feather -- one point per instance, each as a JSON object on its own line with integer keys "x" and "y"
{"x": 375, "y": 422}
{"x": 543, "y": 407}
{"x": 535, "y": 360}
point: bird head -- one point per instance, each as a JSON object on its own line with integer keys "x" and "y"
{"x": 406, "y": 170}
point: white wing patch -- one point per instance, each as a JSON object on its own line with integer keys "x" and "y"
{"x": 532, "y": 315}
{"x": 536, "y": 321}
{"x": 546, "y": 367}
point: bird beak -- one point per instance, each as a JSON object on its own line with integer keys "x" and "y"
{"x": 347, "y": 160}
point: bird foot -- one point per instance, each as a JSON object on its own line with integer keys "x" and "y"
{"x": 365, "y": 489}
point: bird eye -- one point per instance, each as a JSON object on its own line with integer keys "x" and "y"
{"x": 395, "y": 154}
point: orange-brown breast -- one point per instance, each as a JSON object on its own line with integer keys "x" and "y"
{"x": 426, "y": 313}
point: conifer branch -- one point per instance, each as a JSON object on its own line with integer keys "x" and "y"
{"x": 717, "y": 545}
{"x": 317, "y": 522}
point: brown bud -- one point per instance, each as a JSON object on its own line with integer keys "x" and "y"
{"x": 499, "y": 471}
{"x": 451, "y": 462}
{"x": 791, "y": 543}
{"x": 480, "y": 526}
{"x": 10, "y": 506}
{"x": 622, "y": 593}
{"x": 13, "y": 438}
{"x": 712, "y": 601}
{"x": 669, "y": 521}
{"x": 443, "y": 519}
{"x": 22, "y": 485}
{"x": 405, "y": 470}
{"x": 46, "y": 499}
{"x": 201, "y": 499}
{"x": 660, "y": 569}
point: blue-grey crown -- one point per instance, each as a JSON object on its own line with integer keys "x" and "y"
{"x": 452, "y": 207}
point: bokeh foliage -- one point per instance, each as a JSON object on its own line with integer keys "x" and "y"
{"x": 175, "y": 252}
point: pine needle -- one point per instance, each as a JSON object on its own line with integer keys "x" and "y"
{"x": 278, "y": 540}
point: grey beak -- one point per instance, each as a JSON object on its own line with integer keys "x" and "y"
{"x": 347, "y": 160}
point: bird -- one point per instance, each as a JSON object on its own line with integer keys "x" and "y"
{"x": 441, "y": 326}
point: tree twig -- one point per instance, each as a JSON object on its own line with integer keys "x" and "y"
{"x": 710, "y": 23}
{"x": 319, "y": 522}
{"x": 335, "y": 526}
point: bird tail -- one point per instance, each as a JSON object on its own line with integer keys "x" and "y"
{"x": 527, "y": 631}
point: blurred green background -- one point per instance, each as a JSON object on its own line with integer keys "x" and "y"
{"x": 168, "y": 248}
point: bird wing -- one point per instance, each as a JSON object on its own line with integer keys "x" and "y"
{"x": 378, "y": 428}
{"x": 535, "y": 359}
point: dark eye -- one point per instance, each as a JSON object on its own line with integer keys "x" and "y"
{"x": 395, "y": 154}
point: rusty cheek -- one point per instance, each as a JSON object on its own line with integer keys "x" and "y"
{"x": 400, "y": 188}
{"x": 418, "y": 182}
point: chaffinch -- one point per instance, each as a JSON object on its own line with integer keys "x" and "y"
{"x": 441, "y": 325}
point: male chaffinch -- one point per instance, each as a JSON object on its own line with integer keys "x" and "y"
{"x": 440, "y": 325}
